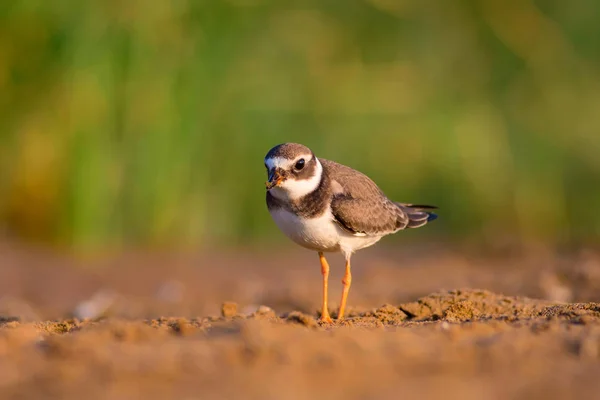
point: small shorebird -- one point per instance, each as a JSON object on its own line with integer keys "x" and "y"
{"x": 329, "y": 207}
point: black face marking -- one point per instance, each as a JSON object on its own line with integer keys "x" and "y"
{"x": 308, "y": 170}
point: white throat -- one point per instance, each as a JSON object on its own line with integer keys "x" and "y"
{"x": 292, "y": 189}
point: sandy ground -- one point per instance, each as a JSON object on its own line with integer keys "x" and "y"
{"x": 423, "y": 323}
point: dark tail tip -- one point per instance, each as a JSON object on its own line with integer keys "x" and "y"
{"x": 431, "y": 217}
{"x": 418, "y": 214}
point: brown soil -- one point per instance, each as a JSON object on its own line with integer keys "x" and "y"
{"x": 243, "y": 327}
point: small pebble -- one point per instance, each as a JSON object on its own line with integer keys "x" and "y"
{"x": 229, "y": 309}
{"x": 302, "y": 319}
{"x": 182, "y": 327}
{"x": 265, "y": 311}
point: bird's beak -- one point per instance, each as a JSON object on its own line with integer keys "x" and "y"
{"x": 275, "y": 178}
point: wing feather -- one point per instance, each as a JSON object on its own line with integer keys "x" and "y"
{"x": 360, "y": 206}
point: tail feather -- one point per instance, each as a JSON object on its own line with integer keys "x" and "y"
{"x": 418, "y": 214}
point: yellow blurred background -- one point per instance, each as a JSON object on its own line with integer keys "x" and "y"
{"x": 130, "y": 123}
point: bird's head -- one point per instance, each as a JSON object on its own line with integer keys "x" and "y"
{"x": 293, "y": 171}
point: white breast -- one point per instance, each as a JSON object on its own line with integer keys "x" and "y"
{"x": 321, "y": 233}
{"x": 318, "y": 233}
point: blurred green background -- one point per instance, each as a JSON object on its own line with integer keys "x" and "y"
{"x": 146, "y": 123}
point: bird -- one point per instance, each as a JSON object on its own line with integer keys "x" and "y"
{"x": 328, "y": 207}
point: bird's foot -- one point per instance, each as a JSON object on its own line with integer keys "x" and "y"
{"x": 326, "y": 319}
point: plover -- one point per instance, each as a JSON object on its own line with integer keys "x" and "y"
{"x": 328, "y": 207}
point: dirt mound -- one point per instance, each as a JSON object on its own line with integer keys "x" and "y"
{"x": 469, "y": 305}
{"x": 466, "y": 344}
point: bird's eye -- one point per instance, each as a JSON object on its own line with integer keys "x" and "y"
{"x": 299, "y": 164}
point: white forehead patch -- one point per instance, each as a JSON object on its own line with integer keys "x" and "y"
{"x": 284, "y": 163}
{"x": 292, "y": 189}
{"x": 277, "y": 162}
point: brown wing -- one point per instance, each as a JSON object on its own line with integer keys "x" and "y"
{"x": 358, "y": 204}
{"x": 362, "y": 208}
{"x": 368, "y": 217}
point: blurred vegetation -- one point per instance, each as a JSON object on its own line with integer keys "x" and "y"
{"x": 125, "y": 122}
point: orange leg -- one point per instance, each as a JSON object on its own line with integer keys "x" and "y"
{"x": 325, "y": 272}
{"x": 346, "y": 281}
